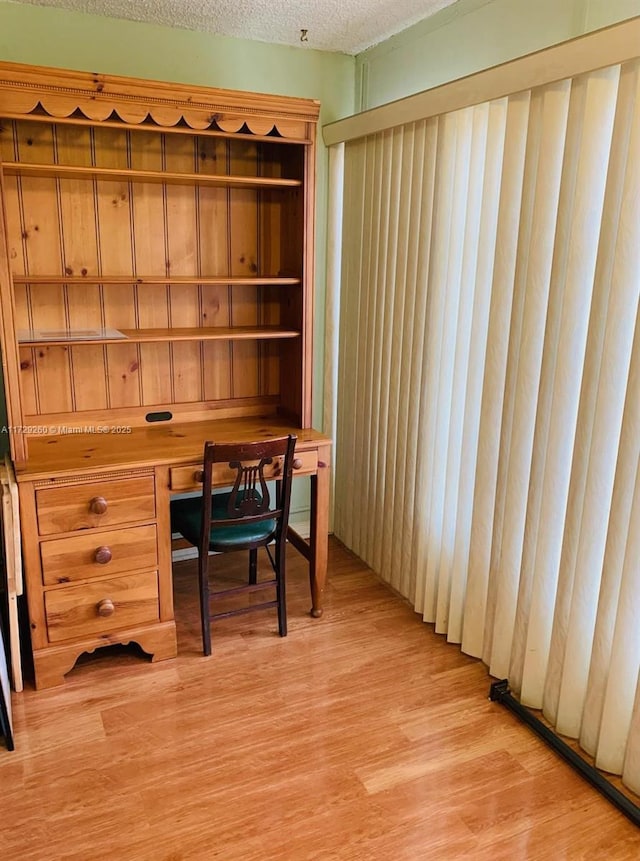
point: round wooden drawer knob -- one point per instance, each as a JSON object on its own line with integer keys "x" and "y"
{"x": 198, "y": 476}
{"x": 103, "y": 555}
{"x": 98, "y": 505}
{"x": 106, "y": 607}
{"x": 297, "y": 463}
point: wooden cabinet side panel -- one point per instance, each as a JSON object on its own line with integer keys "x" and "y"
{"x": 165, "y": 581}
{"x": 308, "y": 299}
{"x": 31, "y": 559}
{"x": 10, "y": 357}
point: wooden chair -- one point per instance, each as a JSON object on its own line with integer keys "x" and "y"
{"x": 242, "y": 519}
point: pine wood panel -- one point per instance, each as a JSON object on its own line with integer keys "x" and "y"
{"x": 213, "y": 232}
{"x": 148, "y": 231}
{"x": 119, "y": 421}
{"x": 111, "y": 148}
{"x": 244, "y": 260}
{"x": 183, "y": 257}
{"x": 43, "y": 252}
{"x": 77, "y": 207}
{"x": 16, "y": 252}
{"x": 150, "y": 251}
{"x": 270, "y": 233}
{"x": 296, "y": 222}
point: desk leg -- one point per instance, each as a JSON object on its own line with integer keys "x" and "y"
{"x": 319, "y": 538}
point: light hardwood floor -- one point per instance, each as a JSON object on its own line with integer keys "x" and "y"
{"x": 362, "y": 735}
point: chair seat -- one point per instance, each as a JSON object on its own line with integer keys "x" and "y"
{"x": 186, "y": 518}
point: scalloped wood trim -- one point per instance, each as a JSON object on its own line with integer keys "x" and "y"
{"x": 60, "y": 94}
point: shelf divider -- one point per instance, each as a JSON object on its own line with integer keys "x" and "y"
{"x": 153, "y": 279}
{"x": 63, "y": 171}
{"x": 144, "y": 336}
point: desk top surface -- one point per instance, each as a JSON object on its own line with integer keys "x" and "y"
{"x": 153, "y": 445}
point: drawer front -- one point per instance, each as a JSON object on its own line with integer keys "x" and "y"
{"x": 100, "y": 503}
{"x": 102, "y": 607}
{"x": 96, "y": 554}
{"x": 190, "y": 477}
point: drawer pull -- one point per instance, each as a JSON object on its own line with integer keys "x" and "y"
{"x": 106, "y": 607}
{"x": 98, "y": 505}
{"x": 198, "y": 476}
{"x": 297, "y": 463}
{"x": 103, "y": 555}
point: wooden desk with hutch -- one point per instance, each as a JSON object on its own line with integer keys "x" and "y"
{"x": 156, "y": 277}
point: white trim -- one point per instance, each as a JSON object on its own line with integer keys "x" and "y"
{"x": 606, "y": 47}
{"x": 332, "y": 302}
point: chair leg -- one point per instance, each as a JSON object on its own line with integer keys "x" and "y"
{"x": 203, "y": 577}
{"x": 281, "y": 588}
{"x": 253, "y": 566}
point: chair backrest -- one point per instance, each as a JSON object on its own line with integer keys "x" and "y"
{"x": 249, "y": 499}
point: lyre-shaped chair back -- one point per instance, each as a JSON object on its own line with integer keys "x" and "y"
{"x": 249, "y": 500}
{"x": 240, "y": 519}
{"x": 245, "y": 499}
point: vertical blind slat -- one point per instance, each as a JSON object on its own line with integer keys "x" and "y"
{"x": 482, "y": 277}
{"x": 465, "y": 284}
{"x": 594, "y": 511}
{"x": 418, "y": 395}
{"x": 583, "y": 185}
{"x": 479, "y": 607}
{"x": 488, "y": 423}
{"x": 615, "y": 657}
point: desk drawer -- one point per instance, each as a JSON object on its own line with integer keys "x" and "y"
{"x": 102, "y": 607}
{"x": 95, "y": 504}
{"x": 96, "y": 554}
{"x": 183, "y": 478}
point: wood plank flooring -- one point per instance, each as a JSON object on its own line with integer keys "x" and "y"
{"x": 361, "y": 735}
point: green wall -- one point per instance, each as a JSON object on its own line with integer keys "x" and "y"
{"x": 472, "y": 35}
{"x": 462, "y": 39}
{"x": 72, "y": 40}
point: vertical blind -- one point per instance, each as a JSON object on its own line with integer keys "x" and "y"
{"x": 488, "y": 424}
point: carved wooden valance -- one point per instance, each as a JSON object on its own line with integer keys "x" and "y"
{"x": 62, "y": 95}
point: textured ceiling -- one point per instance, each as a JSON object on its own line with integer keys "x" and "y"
{"x": 349, "y": 26}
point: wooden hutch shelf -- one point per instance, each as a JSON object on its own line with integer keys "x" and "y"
{"x": 65, "y": 171}
{"x": 151, "y": 336}
{"x": 152, "y": 279}
{"x": 183, "y": 218}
